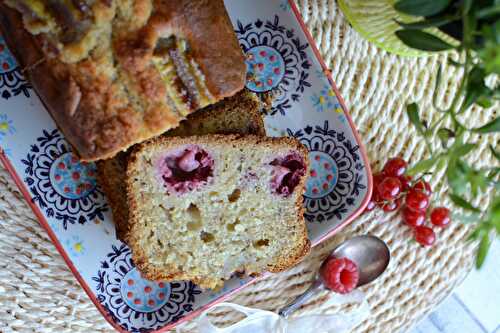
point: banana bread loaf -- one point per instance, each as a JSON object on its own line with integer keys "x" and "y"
{"x": 113, "y": 73}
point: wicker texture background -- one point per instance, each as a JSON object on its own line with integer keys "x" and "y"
{"x": 39, "y": 294}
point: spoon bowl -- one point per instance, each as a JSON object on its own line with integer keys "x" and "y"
{"x": 370, "y": 254}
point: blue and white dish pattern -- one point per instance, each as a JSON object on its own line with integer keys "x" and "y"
{"x": 12, "y": 82}
{"x": 280, "y": 59}
{"x": 60, "y": 184}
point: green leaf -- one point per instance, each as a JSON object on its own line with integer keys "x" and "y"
{"x": 461, "y": 202}
{"x": 467, "y": 4}
{"x": 412, "y": 111}
{"x": 421, "y": 40}
{"x": 436, "y": 86}
{"x": 422, "y": 166}
{"x": 495, "y": 152}
{"x": 456, "y": 177}
{"x": 476, "y": 233}
{"x": 495, "y": 213}
{"x": 462, "y": 150}
{"x": 478, "y": 182}
{"x": 493, "y": 126}
{"x": 421, "y": 7}
{"x": 485, "y": 101}
{"x": 455, "y": 63}
{"x": 490, "y": 53}
{"x": 428, "y": 23}
{"x": 476, "y": 88}
{"x": 488, "y": 12}
{"x": 445, "y": 134}
{"x": 484, "y": 246}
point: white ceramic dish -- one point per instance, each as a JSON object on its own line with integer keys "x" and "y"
{"x": 64, "y": 194}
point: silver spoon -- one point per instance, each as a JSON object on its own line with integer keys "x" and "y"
{"x": 369, "y": 253}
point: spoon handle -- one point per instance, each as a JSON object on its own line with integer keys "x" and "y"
{"x": 301, "y": 299}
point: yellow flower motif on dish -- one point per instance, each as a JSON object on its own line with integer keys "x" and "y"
{"x": 325, "y": 100}
{"x": 339, "y": 110}
{"x": 6, "y": 125}
{"x": 78, "y": 247}
{"x": 75, "y": 246}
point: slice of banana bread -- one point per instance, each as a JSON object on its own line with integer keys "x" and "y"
{"x": 239, "y": 114}
{"x": 202, "y": 208}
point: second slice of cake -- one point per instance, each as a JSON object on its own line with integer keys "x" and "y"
{"x": 203, "y": 208}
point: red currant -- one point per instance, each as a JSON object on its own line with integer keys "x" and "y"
{"x": 371, "y": 206}
{"x": 377, "y": 179}
{"x": 395, "y": 167}
{"x": 417, "y": 200}
{"x": 391, "y": 206}
{"x": 405, "y": 182}
{"x": 425, "y": 236}
{"x": 413, "y": 218}
{"x": 440, "y": 217}
{"x": 423, "y": 186}
{"x": 389, "y": 188}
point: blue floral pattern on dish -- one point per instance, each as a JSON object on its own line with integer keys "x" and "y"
{"x": 62, "y": 185}
{"x": 265, "y": 68}
{"x": 139, "y": 305}
{"x": 276, "y": 60}
{"x": 326, "y": 101}
{"x": 12, "y": 82}
{"x": 71, "y": 178}
{"x": 75, "y": 246}
{"x": 6, "y": 126}
{"x": 335, "y": 178}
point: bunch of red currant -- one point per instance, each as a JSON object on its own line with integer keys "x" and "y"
{"x": 392, "y": 186}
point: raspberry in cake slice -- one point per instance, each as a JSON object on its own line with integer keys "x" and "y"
{"x": 238, "y": 114}
{"x": 203, "y": 208}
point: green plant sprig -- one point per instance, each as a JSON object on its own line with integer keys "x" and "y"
{"x": 475, "y": 25}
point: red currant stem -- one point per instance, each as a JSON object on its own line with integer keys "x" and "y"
{"x": 436, "y": 124}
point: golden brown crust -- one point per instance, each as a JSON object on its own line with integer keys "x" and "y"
{"x": 110, "y": 175}
{"x": 238, "y": 114}
{"x": 152, "y": 272}
{"x": 206, "y": 25}
{"x": 115, "y": 97}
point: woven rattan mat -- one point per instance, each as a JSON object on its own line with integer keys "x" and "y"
{"x": 39, "y": 294}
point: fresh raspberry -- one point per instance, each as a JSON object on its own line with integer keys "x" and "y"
{"x": 341, "y": 275}
{"x": 425, "y": 236}
{"x": 413, "y": 218}
{"x": 440, "y": 217}
{"x": 423, "y": 186}
{"x": 395, "y": 167}
{"x": 389, "y": 188}
{"x": 417, "y": 200}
